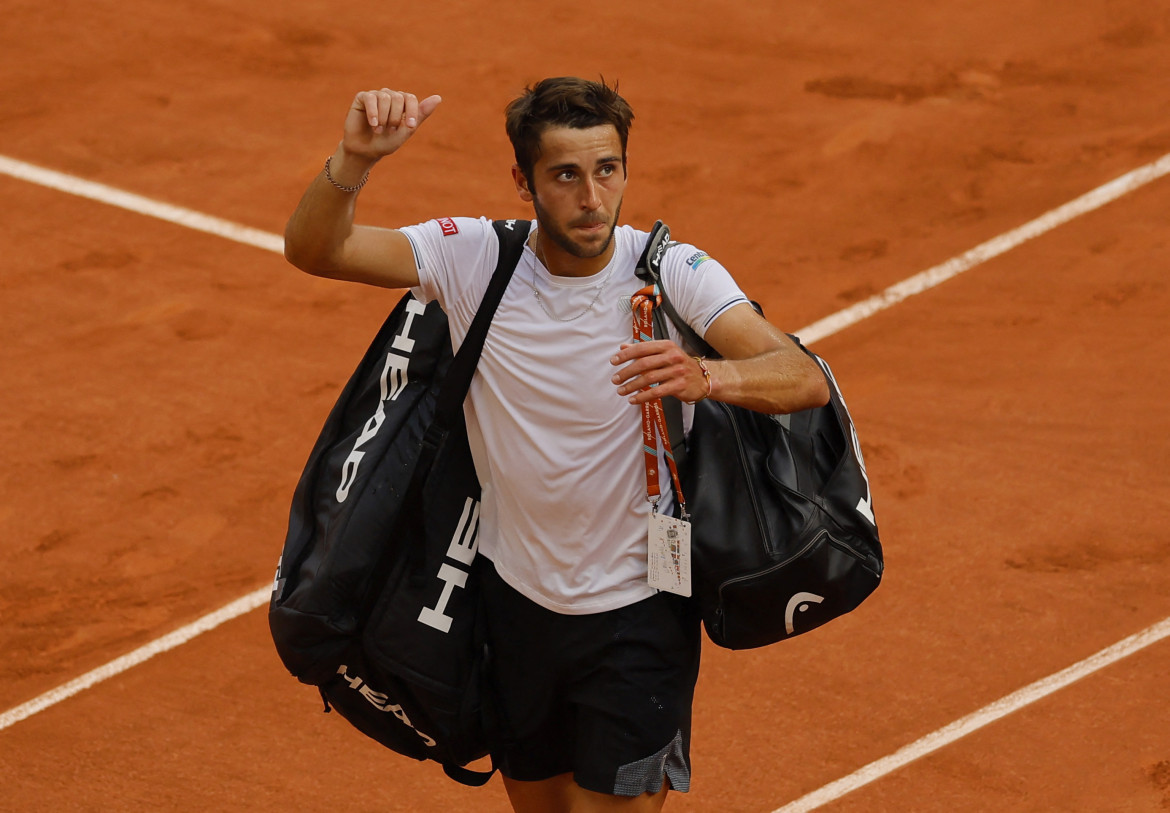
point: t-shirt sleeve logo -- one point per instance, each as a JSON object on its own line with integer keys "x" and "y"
{"x": 448, "y": 226}
{"x": 697, "y": 259}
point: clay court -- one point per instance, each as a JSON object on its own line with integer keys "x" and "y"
{"x": 164, "y": 381}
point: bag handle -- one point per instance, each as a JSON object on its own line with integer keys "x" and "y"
{"x": 649, "y": 270}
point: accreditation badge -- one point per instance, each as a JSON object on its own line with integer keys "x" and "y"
{"x": 669, "y": 561}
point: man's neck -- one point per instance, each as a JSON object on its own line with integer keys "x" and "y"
{"x": 561, "y": 263}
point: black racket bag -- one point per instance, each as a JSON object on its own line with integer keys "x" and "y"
{"x": 374, "y": 601}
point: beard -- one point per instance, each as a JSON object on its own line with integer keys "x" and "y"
{"x": 566, "y": 243}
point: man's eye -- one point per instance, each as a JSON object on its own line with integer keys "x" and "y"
{"x": 608, "y": 170}
{"x": 565, "y": 176}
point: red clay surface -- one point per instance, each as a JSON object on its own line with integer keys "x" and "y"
{"x": 163, "y": 387}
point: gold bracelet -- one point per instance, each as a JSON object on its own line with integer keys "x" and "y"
{"x": 357, "y": 188}
{"x": 706, "y": 377}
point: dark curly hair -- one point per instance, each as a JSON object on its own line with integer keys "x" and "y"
{"x": 563, "y": 101}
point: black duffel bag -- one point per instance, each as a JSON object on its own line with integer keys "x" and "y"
{"x": 783, "y": 534}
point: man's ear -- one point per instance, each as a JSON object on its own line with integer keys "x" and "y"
{"x": 521, "y": 184}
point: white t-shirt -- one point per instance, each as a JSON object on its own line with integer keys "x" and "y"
{"x": 558, "y": 452}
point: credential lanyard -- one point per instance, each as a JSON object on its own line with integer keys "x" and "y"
{"x": 653, "y": 418}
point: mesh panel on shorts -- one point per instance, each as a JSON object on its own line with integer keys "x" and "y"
{"x": 645, "y": 775}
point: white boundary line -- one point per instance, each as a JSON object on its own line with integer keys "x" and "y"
{"x": 144, "y": 653}
{"x": 986, "y": 251}
{"x": 818, "y": 330}
{"x": 973, "y": 722}
{"x": 142, "y": 205}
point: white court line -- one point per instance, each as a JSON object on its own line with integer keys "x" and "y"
{"x": 818, "y": 330}
{"x": 132, "y": 659}
{"x": 985, "y": 251}
{"x": 973, "y": 722}
{"x": 142, "y": 205}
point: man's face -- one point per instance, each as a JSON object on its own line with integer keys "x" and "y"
{"x": 576, "y": 188}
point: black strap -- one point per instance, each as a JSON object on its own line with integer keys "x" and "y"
{"x": 512, "y": 234}
{"x": 466, "y": 776}
{"x": 649, "y": 270}
{"x": 452, "y": 392}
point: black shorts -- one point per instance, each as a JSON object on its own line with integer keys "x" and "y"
{"x": 606, "y": 696}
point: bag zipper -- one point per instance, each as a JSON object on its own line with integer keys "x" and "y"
{"x": 856, "y": 554}
{"x": 773, "y": 568}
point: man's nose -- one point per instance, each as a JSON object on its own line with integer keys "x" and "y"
{"x": 590, "y": 198}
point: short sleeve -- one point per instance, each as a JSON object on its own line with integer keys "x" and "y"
{"x": 699, "y": 287}
{"x": 449, "y": 253}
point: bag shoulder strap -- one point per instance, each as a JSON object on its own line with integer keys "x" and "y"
{"x": 453, "y": 388}
{"x": 511, "y": 234}
{"x": 649, "y": 270}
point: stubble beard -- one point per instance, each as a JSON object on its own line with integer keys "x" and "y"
{"x": 566, "y": 243}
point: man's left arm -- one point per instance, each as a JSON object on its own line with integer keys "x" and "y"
{"x": 760, "y": 369}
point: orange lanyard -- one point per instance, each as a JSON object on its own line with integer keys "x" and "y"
{"x": 653, "y": 418}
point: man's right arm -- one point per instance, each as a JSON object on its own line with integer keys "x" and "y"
{"x": 321, "y": 237}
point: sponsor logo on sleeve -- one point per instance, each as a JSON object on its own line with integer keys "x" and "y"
{"x": 697, "y": 259}
{"x": 448, "y": 226}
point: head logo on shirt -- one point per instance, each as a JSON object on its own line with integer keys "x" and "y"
{"x": 448, "y": 226}
{"x": 697, "y": 259}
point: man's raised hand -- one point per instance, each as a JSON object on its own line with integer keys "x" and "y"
{"x": 380, "y": 121}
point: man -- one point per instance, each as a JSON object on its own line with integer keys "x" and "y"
{"x": 595, "y": 669}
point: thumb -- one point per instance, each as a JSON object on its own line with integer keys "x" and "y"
{"x": 428, "y": 106}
